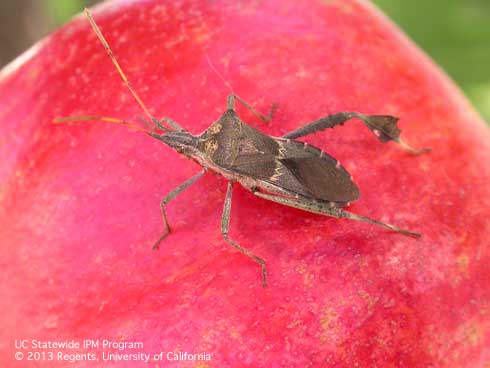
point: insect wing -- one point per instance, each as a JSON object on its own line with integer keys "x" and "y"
{"x": 258, "y": 157}
{"x": 318, "y": 172}
{"x": 294, "y": 166}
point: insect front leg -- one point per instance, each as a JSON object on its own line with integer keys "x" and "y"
{"x": 158, "y": 123}
{"x": 265, "y": 118}
{"x": 383, "y": 126}
{"x": 328, "y": 209}
{"x": 173, "y": 124}
{"x": 168, "y": 198}
{"x": 225, "y": 225}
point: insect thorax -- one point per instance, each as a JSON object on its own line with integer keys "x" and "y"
{"x": 219, "y": 143}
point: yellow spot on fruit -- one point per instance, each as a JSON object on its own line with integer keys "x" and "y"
{"x": 463, "y": 260}
{"x": 473, "y": 334}
{"x": 329, "y": 318}
{"x": 202, "y": 365}
{"x": 234, "y": 333}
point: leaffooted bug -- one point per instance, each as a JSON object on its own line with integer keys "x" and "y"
{"x": 281, "y": 170}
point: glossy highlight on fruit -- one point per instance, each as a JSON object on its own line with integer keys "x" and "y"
{"x": 79, "y": 206}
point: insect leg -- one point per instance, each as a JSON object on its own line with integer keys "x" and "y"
{"x": 168, "y": 198}
{"x": 173, "y": 124}
{"x": 159, "y": 125}
{"x": 346, "y": 214}
{"x": 266, "y": 118}
{"x": 383, "y": 126}
{"x": 323, "y": 208}
{"x": 225, "y": 225}
{"x": 326, "y": 122}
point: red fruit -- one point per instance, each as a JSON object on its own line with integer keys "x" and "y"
{"x": 80, "y": 202}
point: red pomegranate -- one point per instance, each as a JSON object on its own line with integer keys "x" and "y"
{"x": 80, "y": 202}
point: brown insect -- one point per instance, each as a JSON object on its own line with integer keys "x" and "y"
{"x": 281, "y": 170}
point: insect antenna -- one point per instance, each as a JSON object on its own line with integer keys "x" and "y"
{"x": 211, "y": 65}
{"x": 104, "y": 119}
{"x": 128, "y": 85}
{"x": 233, "y": 96}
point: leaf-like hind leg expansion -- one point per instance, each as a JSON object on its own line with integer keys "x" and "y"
{"x": 168, "y": 198}
{"x": 383, "y": 126}
{"x": 323, "y": 208}
{"x": 225, "y": 225}
{"x": 264, "y": 118}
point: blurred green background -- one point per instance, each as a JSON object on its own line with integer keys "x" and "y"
{"x": 455, "y": 33}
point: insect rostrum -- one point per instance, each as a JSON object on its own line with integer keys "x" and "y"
{"x": 281, "y": 170}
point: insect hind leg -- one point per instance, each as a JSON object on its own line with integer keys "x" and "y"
{"x": 225, "y": 225}
{"x": 383, "y": 126}
{"x": 330, "y": 209}
{"x": 346, "y": 214}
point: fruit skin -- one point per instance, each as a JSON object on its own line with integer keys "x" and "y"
{"x": 80, "y": 212}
